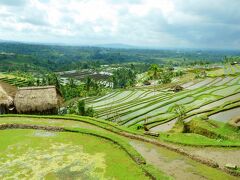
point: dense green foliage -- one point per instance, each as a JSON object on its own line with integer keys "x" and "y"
{"x": 29, "y": 57}
{"x": 200, "y": 132}
{"x": 123, "y": 78}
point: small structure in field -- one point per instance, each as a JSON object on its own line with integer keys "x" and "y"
{"x": 177, "y": 88}
{"x": 234, "y": 63}
{"x": 146, "y": 83}
{"x": 7, "y": 93}
{"x": 38, "y": 100}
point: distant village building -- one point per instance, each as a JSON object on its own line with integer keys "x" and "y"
{"x": 234, "y": 63}
{"x": 7, "y": 93}
{"x": 38, "y": 100}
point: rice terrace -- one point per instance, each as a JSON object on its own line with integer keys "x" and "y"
{"x": 127, "y": 90}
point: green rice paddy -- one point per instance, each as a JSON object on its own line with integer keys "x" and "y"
{"x": 100, "y": 148}
{"x": 82, "y": 155}
{"x": 154, "y": 107}
{"x": 19, "y": 82}
{"x": 34, "y": 154}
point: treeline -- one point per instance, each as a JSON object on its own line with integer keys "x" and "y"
{"x": 32, "y": 57}
{"x": 232, "y": 59}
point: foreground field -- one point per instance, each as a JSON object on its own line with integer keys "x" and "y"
{"x": 92, "y": 148}
{"x": 25, "y": 153}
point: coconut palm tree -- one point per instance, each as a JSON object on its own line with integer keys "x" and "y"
{"x": 88, "y": 83}
{"x": 154, "y": 71}
{"x": 180, "y": 110}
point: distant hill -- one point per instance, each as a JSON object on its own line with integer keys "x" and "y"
{"x": 35, "y": 57}
{"x": 117, "y": 46}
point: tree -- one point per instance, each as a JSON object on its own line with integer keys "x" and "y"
{"x": 81, "y": 107}
{"x": 82, "y": 110}
{"x": 166, "y": 77}
{"x": 154, "y": 71}
{"x": 180, "y": 110}
{"x": 71, "y": 83}
{"x": 88, "y": 83}
{"x": 90, "y": 112}
{"x": 52, "y": 79}
{"x": 123, "y": 77}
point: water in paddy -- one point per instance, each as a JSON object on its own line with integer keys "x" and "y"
{"x": 113, "y": 99}
{"x": 200, "y": 84}
{"x": 217, "y": 103}
{"x": 104, "y": 97}
{"x": 176, "y": 165}
{"x": 188, "y": 84}
{"x": 164, "y": 127}
{"x": 49, "y": 122}
{"x": 225, "y": 116}
{"x": 227, "y": 91}
{"x": 223, "y": 81}
{"x": 191, "y": 117}
{"x": 214, "y": 82}
{"x": 155, "y": 106}
{"x": 34, "y": 154}
{"x": 234, "y": 81}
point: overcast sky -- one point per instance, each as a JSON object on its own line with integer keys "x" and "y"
{"x": 148, "y": 23}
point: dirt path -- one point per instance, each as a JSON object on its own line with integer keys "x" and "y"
{"x": 169, "y": 162}
{"x": 222, "y": 156}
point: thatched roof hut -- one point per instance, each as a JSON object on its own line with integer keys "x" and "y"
{"x": 38, "y": 100}
{"x": 7, "y": 93}
{"x": 177, "y": 88}
{"x": 146, "y": 83}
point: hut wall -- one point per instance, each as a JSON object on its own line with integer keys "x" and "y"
{"x": 45, "y": 112}
{"x": 3, "y": 109}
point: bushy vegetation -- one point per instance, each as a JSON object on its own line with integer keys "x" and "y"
{"x": 200, "y": 132}
{"x": 123, "y": 77}
{"x": 81, "y": 109}
{"x": 28, "y": 57}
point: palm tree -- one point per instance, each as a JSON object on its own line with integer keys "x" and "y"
{"x": 154, "y": 71}
{"x": 57, "y": 81}
{"x": 88, "y": 83}
{"x": 53, "y": 79}
{"x": 71, "y": 83}
{"x": 180, "y": 110}
{"x": 81, "y": 107}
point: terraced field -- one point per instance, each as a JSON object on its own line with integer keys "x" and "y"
{"x": 154, "y": 108}
{"x": 19, "y": 82}
{"x": 231, "y": 69}
{"x": 81, "y": 147}
{"x": 89, "y": 148}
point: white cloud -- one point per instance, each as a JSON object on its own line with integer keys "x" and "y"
{"x": 160, "y": 23}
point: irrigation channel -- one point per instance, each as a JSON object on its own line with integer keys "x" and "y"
{"x": 179, "y": 162}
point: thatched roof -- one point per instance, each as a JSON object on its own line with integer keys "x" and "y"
{"x": 177, "y": 88}
{"x": 5, "y": 97}
{"x": 8, "y": 88}
{"x": 37, "y": 99}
